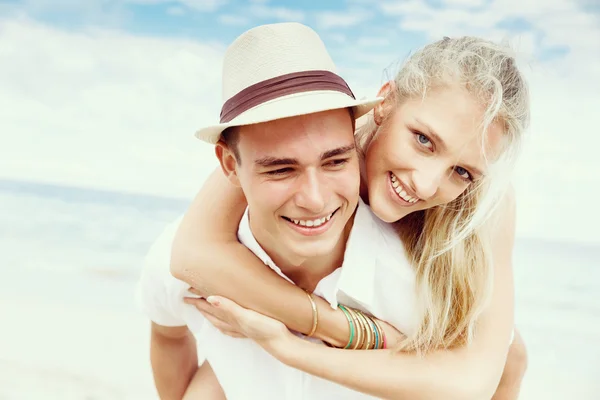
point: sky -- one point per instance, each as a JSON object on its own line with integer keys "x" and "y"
{"x": 107, "y": 93}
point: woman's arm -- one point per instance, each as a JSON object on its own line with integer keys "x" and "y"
{"x": 470, "y": 372}
{"x": 207, "y": 255}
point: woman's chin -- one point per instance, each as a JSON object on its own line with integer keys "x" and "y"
{"x": 385, "y": 211}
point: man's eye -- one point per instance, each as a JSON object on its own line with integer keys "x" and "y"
{"x": 280, "y": 171}
{"x": 337, "y": 163}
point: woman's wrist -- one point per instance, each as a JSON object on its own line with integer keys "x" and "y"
{"x": 283, "y": 347}
{"x": 347, "y": 328}
{"x": 332, "y": 327}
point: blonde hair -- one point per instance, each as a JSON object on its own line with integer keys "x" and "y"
{"x": 449, "y": 245}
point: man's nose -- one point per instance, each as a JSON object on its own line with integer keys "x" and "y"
{"x": 312, "y": 193}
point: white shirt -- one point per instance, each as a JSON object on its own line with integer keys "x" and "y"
{"x": 375, "y": 277}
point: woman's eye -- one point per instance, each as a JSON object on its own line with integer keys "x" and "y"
{"x": 424, "y": 140}
{"x": 463, "y": 173}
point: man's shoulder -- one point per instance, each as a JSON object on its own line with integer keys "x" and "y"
{"x": 158, "y": 294}
{"x": 159, "y": 254}
{"x": 371, "y": 224}
{"x": 382, "y": 237}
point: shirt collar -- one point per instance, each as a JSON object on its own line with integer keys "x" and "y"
{"x": 246, "y": 237}
{"x": 357, "y": 275}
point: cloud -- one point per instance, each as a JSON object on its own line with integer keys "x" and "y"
{"x": 257, "y": 13}
{"x": 337, "y": 37}
{"x": 176, "y": 11}
{"x": 105, "y": 109}
{"x": 557, "y": 174}
{"x": 233, "y": 20}
{"x": 262, "y": 11}
{"x": 559, "y": 24}
{"x": 95, "y": 10}
{"x": 373, "y": 41}
{"x": 198, "y": 5}
{"x": 467, "y": 3}
{"x": 342, "y": 19}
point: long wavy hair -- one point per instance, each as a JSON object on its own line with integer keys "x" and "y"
{"x": 449, "y": 245}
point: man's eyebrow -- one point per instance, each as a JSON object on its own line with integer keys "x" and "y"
{"x": 274, "y": 161}
{"x": 269, "y": 161}
{"x": 338, "y": 152}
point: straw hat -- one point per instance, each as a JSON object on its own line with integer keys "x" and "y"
{"x": 278, "y": 71}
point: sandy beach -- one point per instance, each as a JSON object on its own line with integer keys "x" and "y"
{"x": 53, "y": 351}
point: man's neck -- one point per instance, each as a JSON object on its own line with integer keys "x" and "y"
{"x": 308, "y": 272}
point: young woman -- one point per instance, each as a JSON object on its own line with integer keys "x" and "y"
{"x": 437, "y": 152}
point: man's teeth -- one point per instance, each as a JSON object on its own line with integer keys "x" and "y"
{"x": 400, "y": 190}
{"x": 312, "y": 222}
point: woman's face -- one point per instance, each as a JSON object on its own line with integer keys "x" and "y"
{"x": 427, "y": 152}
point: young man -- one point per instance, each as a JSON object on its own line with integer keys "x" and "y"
{"x": 286, "y": 138}
{"x": 284, "y": 105}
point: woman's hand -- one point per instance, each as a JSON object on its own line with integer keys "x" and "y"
{"x": 236, "y": 321}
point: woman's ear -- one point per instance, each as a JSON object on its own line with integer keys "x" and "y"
{"x": 381, "y": 109}
{"x": 228, "y": 161}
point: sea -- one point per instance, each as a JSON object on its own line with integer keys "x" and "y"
{"x": 86, "y": 247}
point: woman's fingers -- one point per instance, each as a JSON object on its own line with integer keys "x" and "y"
{"x": 210, "y": 313}
{"x": 196, "y": 292}
{"x": 222, "y": 326}
{"x": 234, "y": 320}
{"x": 221, "y": 308}
{"x": 200, "y": 304}
{"x": 250, "y": 323}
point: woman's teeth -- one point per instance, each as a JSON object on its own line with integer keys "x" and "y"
{"x": 312, "y": 222}
{"x": 400, "y": 190}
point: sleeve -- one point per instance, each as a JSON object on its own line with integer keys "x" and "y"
{"x": 155, "y": 289}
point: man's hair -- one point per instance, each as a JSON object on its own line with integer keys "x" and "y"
{"x": 231, "y": 137}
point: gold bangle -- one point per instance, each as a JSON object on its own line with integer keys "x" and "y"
{"x": 375, "y": 341}
{"x": 381, "y": 335}
{"x": 359, "y": 330}
{"x": 367, "y": 327}
{"x": 377, "y": 333}
{"x": 315, "y": 313}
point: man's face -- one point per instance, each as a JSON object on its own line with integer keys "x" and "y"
{"x": 301, "y": 179}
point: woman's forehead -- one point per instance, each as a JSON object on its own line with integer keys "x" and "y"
{"x": 454, "y": 120}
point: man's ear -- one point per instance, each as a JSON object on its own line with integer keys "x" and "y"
{"x": 382, "y": 109}
{"x": 228, "y": 162}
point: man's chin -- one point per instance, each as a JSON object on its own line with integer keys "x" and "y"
{"x": 312, "y": 250}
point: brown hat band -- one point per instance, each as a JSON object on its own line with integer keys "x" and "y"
{"x": 296, "y": 82}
